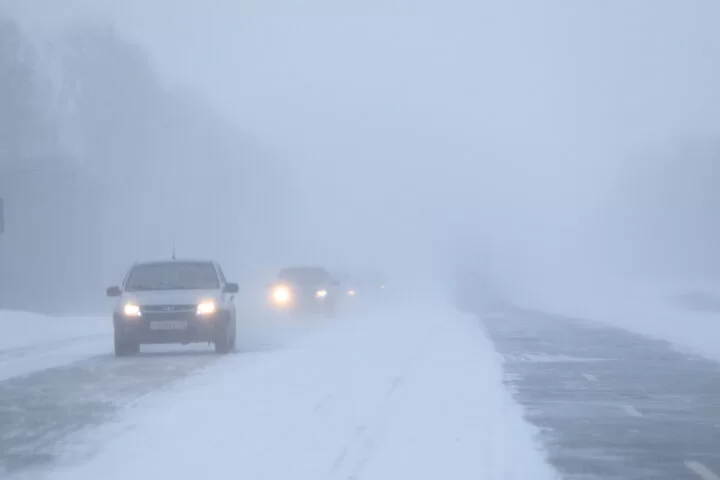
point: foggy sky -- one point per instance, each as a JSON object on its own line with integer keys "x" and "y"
{"x": 414, "y": 129}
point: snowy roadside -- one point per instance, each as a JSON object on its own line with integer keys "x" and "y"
{"x": 402, "y": 393}
{"x": 24, "y": 329}
{"x": 31, "y": 342}
{"x": 683, "y": 313}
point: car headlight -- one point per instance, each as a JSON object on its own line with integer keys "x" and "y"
{"x": 351, "y": 292}
{"x": 281, "y": 294}
{"x": 321, "y": 293}
{"x": 132, "y": 310}
{"x": 207, "y": 307}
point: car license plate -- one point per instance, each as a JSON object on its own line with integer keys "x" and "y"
{"x": 169, "y": 325}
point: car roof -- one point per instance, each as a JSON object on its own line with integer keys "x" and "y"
{"x": 294, "y": 269}
{"x": 179, "y": 260}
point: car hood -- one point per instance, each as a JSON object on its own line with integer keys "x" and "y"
{"x": 170, "y": 297}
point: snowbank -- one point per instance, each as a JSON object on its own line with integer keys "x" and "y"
{"x": 403, "y": 394}
{"x": 31, "y": 342}
{"x": 23, "y": 329}
{"x": 685, "y": 313}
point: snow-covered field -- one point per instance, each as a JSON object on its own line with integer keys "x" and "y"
{"x": 24, "y": 329}
{"x": 397, "y": 393}
{"x": 661, "y": 309}
{"x": 30, "y": 342}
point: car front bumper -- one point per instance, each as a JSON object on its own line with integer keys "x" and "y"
{"x": 181, "y": 328}
{"x": 305, "y": 304}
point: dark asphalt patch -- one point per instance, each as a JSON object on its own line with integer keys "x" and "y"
{"x": 582, "y": 384}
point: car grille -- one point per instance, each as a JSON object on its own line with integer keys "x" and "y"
{"x": 168, "y": 309}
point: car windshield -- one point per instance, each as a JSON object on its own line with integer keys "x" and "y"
{"x": 172, "y": 276}
{"x": 304, "y": 275}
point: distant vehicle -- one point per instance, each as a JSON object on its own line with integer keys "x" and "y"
{"x": 174, "y": 301}
{"x": 376, "y": 280}
{"x": 349, "y": 285}
{"x": 366, "y": 283}
{"x": 304, "y": 289}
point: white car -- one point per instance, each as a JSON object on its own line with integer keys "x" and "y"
{"x": 174, "y": 301}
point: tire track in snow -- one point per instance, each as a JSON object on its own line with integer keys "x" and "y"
{"x": 366, "y": 437}
{"x": 365, "y": 440}
{"x": 320, "y": 423}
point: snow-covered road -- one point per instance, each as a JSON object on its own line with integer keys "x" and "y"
{"x": 399, "y": 392}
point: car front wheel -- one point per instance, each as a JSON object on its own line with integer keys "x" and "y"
{"x": 125, "y": 347}
{"x": 233, "y": 333}
{"x": 224, "y": 342}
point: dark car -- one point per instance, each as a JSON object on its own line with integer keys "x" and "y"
{"x": 349, "y": 284}
{"x": 304, "y": 289}
{"x": 174, "y": 301}
{"x": 367, "y": 284}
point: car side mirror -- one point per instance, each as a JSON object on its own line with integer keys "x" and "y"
{"x": 114, "y": 291}
{"x": 231, "y": 288}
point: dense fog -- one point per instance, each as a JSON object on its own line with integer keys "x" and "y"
{"x": 536, "y": 144}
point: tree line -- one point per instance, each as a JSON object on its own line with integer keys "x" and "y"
{"x": 668, "y": 209}
{"x": 102, "y": 163}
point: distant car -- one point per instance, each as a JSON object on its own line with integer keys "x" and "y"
{"x": 304, "y": 289}
{"x": 174, "y": 301}
{"x": 370, "y": 285}
{"x": 376, "y": 280}
{"x": 349, "y": 285}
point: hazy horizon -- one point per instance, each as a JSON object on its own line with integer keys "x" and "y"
{"x": 421, "y": 136}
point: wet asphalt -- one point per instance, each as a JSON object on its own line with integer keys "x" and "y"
{"x": 608, "y": 403}
{"x": 41, "y": 411}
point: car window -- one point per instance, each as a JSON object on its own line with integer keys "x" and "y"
{"x": 172, "y": 276}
